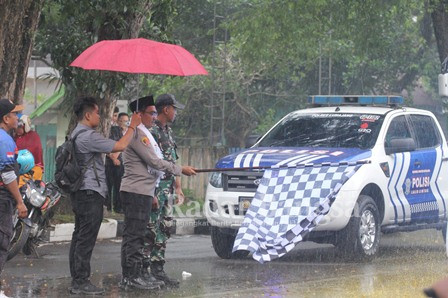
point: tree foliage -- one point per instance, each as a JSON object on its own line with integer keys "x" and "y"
{"x": 276, "y": 50}
{"x": 70, "y": 26}
{"x": 276, "y": 53}
{"x": 372, "y": 44}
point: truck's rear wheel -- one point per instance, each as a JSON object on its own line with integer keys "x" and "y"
{"x": 223, "y": 243}
{"x": 361, "y": 237}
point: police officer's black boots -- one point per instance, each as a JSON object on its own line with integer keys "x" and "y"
{"x": 132, "y": 279}
{"x": 159, "y": 273}
{"x": 147, "y": 275}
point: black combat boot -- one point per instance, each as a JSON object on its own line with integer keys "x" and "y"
{"x": 158, "y": 272}
{"x": 149, "y": 278}
{"x": 132, "y": 279}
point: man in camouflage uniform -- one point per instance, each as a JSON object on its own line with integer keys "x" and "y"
{"x": 160, "y": 221}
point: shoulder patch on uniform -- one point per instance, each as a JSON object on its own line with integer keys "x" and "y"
{"x": 145, "y": 141}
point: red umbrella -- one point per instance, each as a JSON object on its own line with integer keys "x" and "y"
{"x": 139, "y": 56}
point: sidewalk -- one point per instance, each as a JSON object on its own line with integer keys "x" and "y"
{"x": 112, "y": 228}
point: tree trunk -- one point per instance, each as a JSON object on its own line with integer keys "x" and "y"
{"x": 18, "y": 23}
{"x": 439, "y": 17}
{"x": 110, "y": 31}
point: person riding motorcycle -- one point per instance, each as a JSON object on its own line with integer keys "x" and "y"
{"x": 27, "y": 138}
{"x": 26, "y": 162}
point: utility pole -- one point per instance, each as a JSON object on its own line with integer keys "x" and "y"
{"x": 324, "y": 78}
{"x": 328, "y": 70}
{"x": 218, "y": 104}
{"x": 212, "y": 97}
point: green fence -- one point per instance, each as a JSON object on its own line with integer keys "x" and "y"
{"x": 47, "y": 135}
{"x": 49, "y": 163}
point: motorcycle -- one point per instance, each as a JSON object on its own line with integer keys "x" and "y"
{"x": 40, "y": 199}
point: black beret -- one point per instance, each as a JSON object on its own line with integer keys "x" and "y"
{"x": 141, "y": 103}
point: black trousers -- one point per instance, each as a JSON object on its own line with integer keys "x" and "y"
{"x": 113, "y": 180}
{"x": 136, "y": 209}
{"x": 6, "y": 229}
{"x": 88, "y": 208}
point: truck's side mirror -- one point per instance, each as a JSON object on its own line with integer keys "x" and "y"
{"x": 400, "y": 145}
{"x": 251, "y": 140}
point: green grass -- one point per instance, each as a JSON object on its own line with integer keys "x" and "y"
{"x": 63, "y": 218}
{"x": 70, "y": 218}
{"x": 191, "y": 207}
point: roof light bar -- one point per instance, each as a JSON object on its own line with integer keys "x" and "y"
{"x": 374, "y": 100}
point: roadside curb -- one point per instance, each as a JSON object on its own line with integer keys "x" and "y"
{"x": 191, "y": 226}
{"x": 181, "y": 226}
{"x": 112, "y": 228}
{"x": 63, "y": 232}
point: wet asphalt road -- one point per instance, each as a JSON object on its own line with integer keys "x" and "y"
{"x": 407, "y": 263}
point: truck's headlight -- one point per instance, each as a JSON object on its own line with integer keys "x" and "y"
{"x": 216, "y": 179}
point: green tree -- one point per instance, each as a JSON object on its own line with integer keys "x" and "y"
{"x": 276, "y": 48}
{"x": 375, "y": 46}
{"x": 18, "y": 23}
{"x": 68, "y": 27}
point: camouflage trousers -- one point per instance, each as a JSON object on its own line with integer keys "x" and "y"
{"x": 160, "y": 221}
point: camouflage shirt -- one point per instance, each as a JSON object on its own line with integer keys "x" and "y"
{"x": 164, "y": 137}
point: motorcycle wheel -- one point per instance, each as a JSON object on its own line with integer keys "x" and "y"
{"x": 19, "y": 238}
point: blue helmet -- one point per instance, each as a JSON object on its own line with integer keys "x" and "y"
{"x": 26, "y": 161}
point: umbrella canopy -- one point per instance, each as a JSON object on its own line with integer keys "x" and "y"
{"x": 139, "y": 56}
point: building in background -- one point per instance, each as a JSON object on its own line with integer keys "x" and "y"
{"x": 43, "y": 98}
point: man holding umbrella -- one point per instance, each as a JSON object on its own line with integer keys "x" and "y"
{"x": 87, "y": 202}
{"x": 143, "y": 167}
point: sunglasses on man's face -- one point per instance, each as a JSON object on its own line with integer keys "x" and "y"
{"x": 151, "y": 113}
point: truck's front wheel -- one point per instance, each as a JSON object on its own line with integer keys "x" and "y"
{"x": 222, "y": 241}
{"x": 360, "y": 238}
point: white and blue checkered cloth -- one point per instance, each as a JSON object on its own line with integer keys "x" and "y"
{"x": 288, "y": 204}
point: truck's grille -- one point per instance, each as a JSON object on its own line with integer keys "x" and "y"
{"x": 241, "y": 181}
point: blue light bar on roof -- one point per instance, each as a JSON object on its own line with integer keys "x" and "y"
{"x": 374, "y": 100}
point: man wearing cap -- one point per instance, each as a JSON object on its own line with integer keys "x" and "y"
{"x": 143, "y": 167}
{"x": 9, "y": 189}
{"x": 158, "y": 231}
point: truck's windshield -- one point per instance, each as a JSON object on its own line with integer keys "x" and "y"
{"x": 325, "y": 130}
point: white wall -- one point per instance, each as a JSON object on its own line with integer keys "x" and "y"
{"x": 122, "y": 105}
{"x": 36, "y": 84}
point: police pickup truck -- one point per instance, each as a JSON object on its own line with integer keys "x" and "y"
{"x": 403, "y": 187}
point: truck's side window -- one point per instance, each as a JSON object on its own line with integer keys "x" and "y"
{"x": 398, "y": 129}
{"x": 426, "y": 133}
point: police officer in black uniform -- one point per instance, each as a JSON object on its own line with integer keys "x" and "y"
{"x": 143, "y": 167}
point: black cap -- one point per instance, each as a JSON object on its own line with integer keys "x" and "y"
{"x": 7, "y": 106}
{"x": 168, "y": 100}
{"x": 141, "y": 103}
